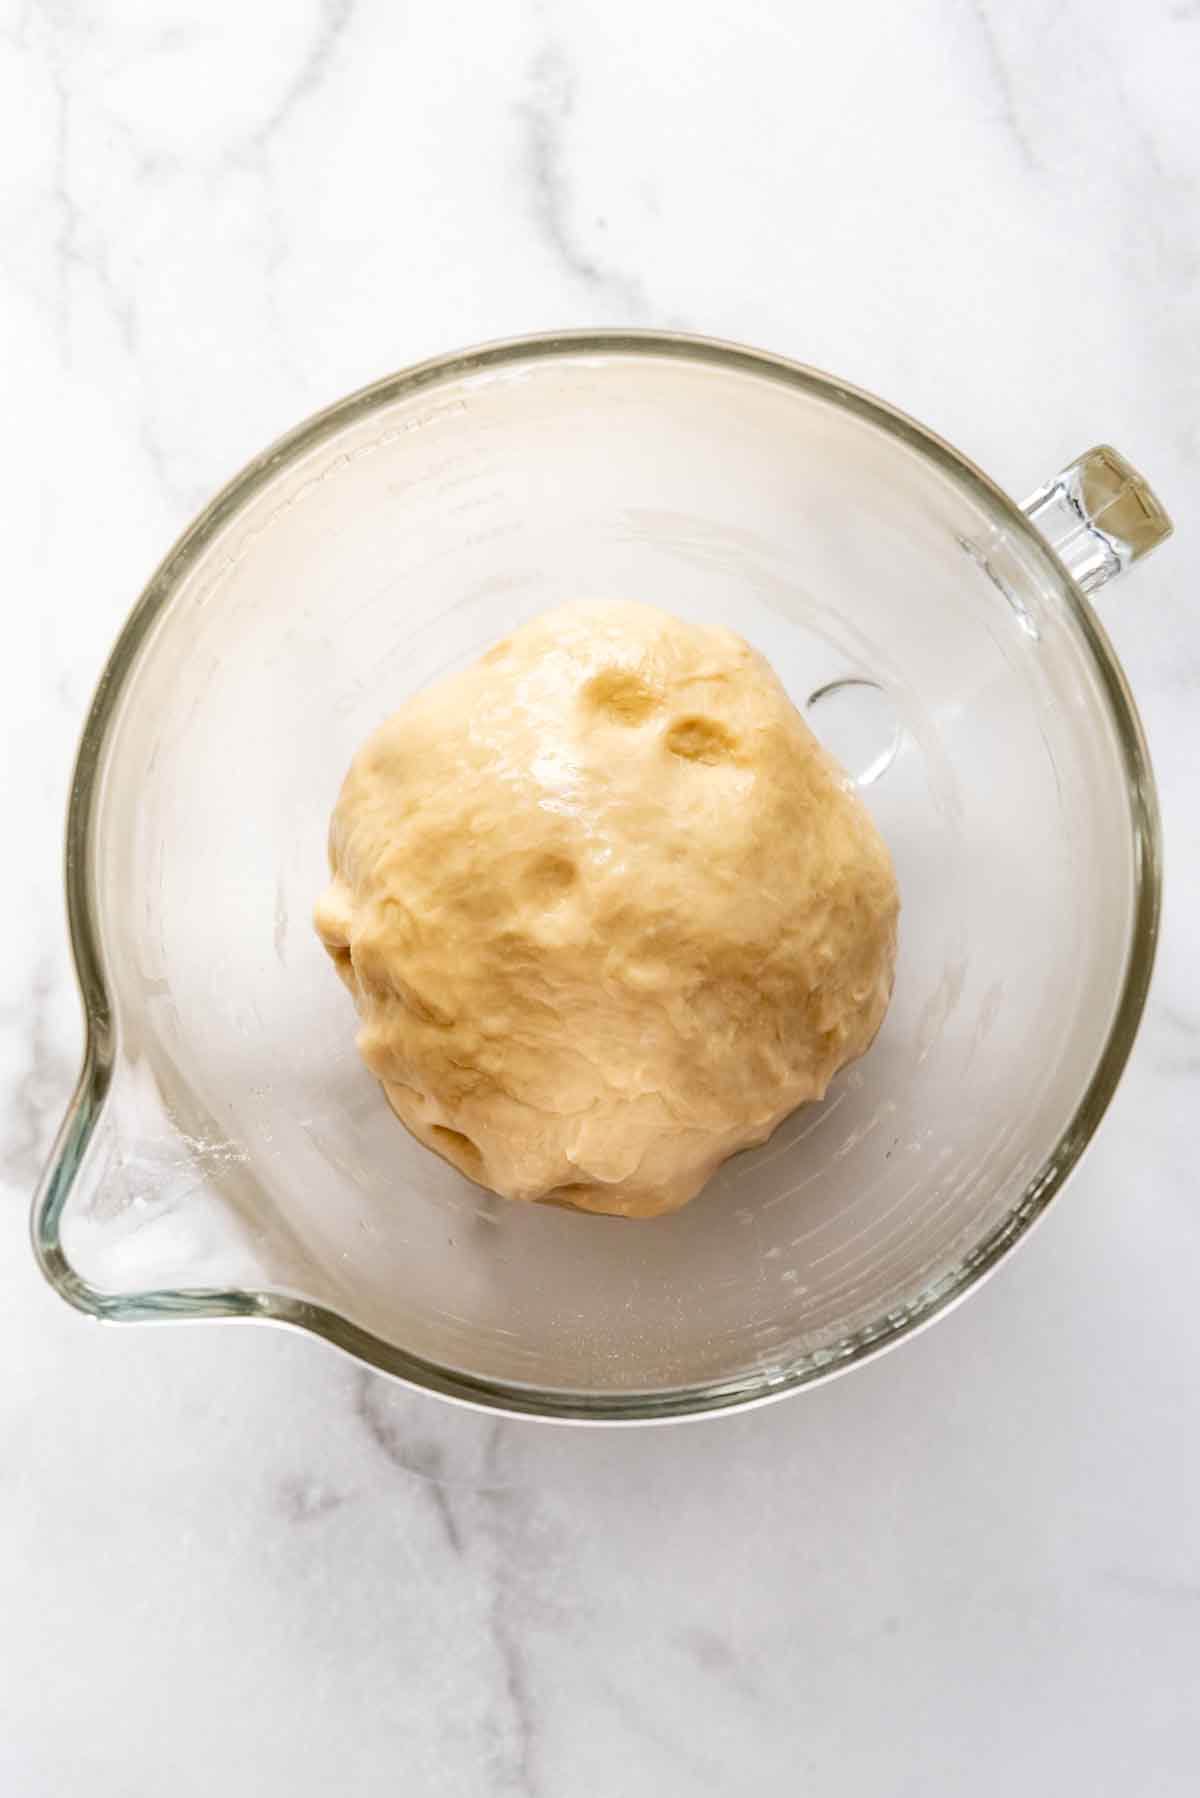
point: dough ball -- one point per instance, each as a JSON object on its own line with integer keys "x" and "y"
{"x": 607, "y": 910}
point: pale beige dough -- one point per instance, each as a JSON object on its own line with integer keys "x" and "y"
{"x": 607, "y": 910}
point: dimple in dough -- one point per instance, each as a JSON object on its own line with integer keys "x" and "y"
{"x": 607, "y": 909}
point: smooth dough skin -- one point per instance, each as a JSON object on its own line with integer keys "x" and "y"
{"x": 607, "y": 910}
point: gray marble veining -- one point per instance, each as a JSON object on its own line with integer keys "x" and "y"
{"x": 229, "y": 1553}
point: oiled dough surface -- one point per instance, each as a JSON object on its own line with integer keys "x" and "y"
{"x": 607, "y": 910}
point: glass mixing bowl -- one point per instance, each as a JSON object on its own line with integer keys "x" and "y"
{"x": 226, "y": 1155}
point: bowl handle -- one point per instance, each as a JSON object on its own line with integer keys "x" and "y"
{"x": 1098, "y": 516}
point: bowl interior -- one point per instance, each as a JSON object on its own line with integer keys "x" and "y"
{"x": 243, "y": 1148}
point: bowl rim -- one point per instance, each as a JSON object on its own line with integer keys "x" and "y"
{"x": 760, "y": 1386}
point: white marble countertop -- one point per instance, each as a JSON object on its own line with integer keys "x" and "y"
{"x": 229, "y": 1561}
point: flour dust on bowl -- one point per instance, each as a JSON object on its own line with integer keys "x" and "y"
{"x": 226, "y": 1154}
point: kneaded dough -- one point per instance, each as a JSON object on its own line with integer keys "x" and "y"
{"x": 607, "y": 909}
